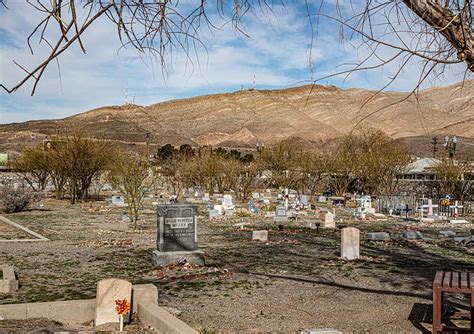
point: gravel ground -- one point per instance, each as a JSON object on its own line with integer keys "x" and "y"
{"x": 293, "y": 282}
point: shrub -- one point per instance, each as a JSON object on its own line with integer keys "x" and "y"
{"x": 16, "y": 200}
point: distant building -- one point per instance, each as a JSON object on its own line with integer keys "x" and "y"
{"x": 421, "y": 169}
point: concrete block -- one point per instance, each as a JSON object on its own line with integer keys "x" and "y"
{"x": 70, "y": 311}
{"x": 164, "y": 258}
{"x": 143, "y": 293}
{"x": 9, "y": 283}
{"x": 378, "y": 236}
{"x": 321, "y": 331}
{"x": 150, "y": 314}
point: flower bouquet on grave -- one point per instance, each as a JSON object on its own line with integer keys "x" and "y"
{"x": 122, "y": 307}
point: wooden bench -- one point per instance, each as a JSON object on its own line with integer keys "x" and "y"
{"x": 451, "y": 282}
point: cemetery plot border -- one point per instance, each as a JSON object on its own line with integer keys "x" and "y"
{"x": 27, "y": 230}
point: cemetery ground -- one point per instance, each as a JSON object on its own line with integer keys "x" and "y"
{"x": 294, "y": 281}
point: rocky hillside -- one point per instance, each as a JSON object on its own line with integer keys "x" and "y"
{"x": 316, "y": 115}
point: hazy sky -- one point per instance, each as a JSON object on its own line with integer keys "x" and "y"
{"x": 277, "y": 51}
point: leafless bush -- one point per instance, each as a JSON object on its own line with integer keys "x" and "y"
{"x": 17, "y": 200}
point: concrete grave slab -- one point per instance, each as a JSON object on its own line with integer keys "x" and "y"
{"x": 378, "y": 236}
{"x": 321, "y": 331}
{"x": 412, "y": 235}
{"x": 458, "y": 221}
{"x": 38, "y": 236}
{"x": 447, "y": 233}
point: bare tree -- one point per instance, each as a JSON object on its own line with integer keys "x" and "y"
{"x": 455, "y": 178}
{"x": 439, "y": 34}
{"x": 82, "y": 159}
{"x": 34, "y": 167}
{"x": 134, "y": 177}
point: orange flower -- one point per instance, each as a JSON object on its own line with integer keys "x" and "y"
{"x": 122, "y": 306}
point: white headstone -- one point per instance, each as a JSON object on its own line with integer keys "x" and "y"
{"x": 350, "y": 243}
{"x": 329, "y": 220}
{"x": 219, "y": 208}
{"x": 260, "y": 235}
{"x": 118, "y": 200}
{"x": 108, "y": 291}
{"x": 213, "y": 214}
{"x": 304, "y": 199}
{"x": 227, "y": 202}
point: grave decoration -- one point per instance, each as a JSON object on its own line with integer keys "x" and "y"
{"x": 122, "y": 307}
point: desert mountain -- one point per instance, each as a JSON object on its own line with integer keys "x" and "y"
{"x": 314, "y": 114}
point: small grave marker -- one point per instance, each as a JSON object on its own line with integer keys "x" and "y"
{"x": 108, "y": 291}
{"x": 329, "y": 220}
{"x": 378, "y": 236}
{"x": 118, "y": 200}
{"x": 350, "y": 243}
{"x": 447, "y": 234}
{"x": 412, "y": 235}
{"x": 213, "y": 214}
{"x": 280, "y": 214}
{"x": 260, "y": 235}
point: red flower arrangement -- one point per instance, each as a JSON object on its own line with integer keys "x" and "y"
{"x": 122, "y": 306}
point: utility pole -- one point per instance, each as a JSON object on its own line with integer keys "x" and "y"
{"x": 435, "y": 148}
{"x": 126, "y": 94}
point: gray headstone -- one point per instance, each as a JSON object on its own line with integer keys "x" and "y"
{"x": 280, "y": 212}
{"x": 177, "y": 228}
{"x": 177, "y": 235}
{"x": 412, "y": 235}
{"x": 350, "y": 243}
{"x": 108, "y": 291}
{"x": 378, "y": 236}
{"x": 447, "y": 233}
